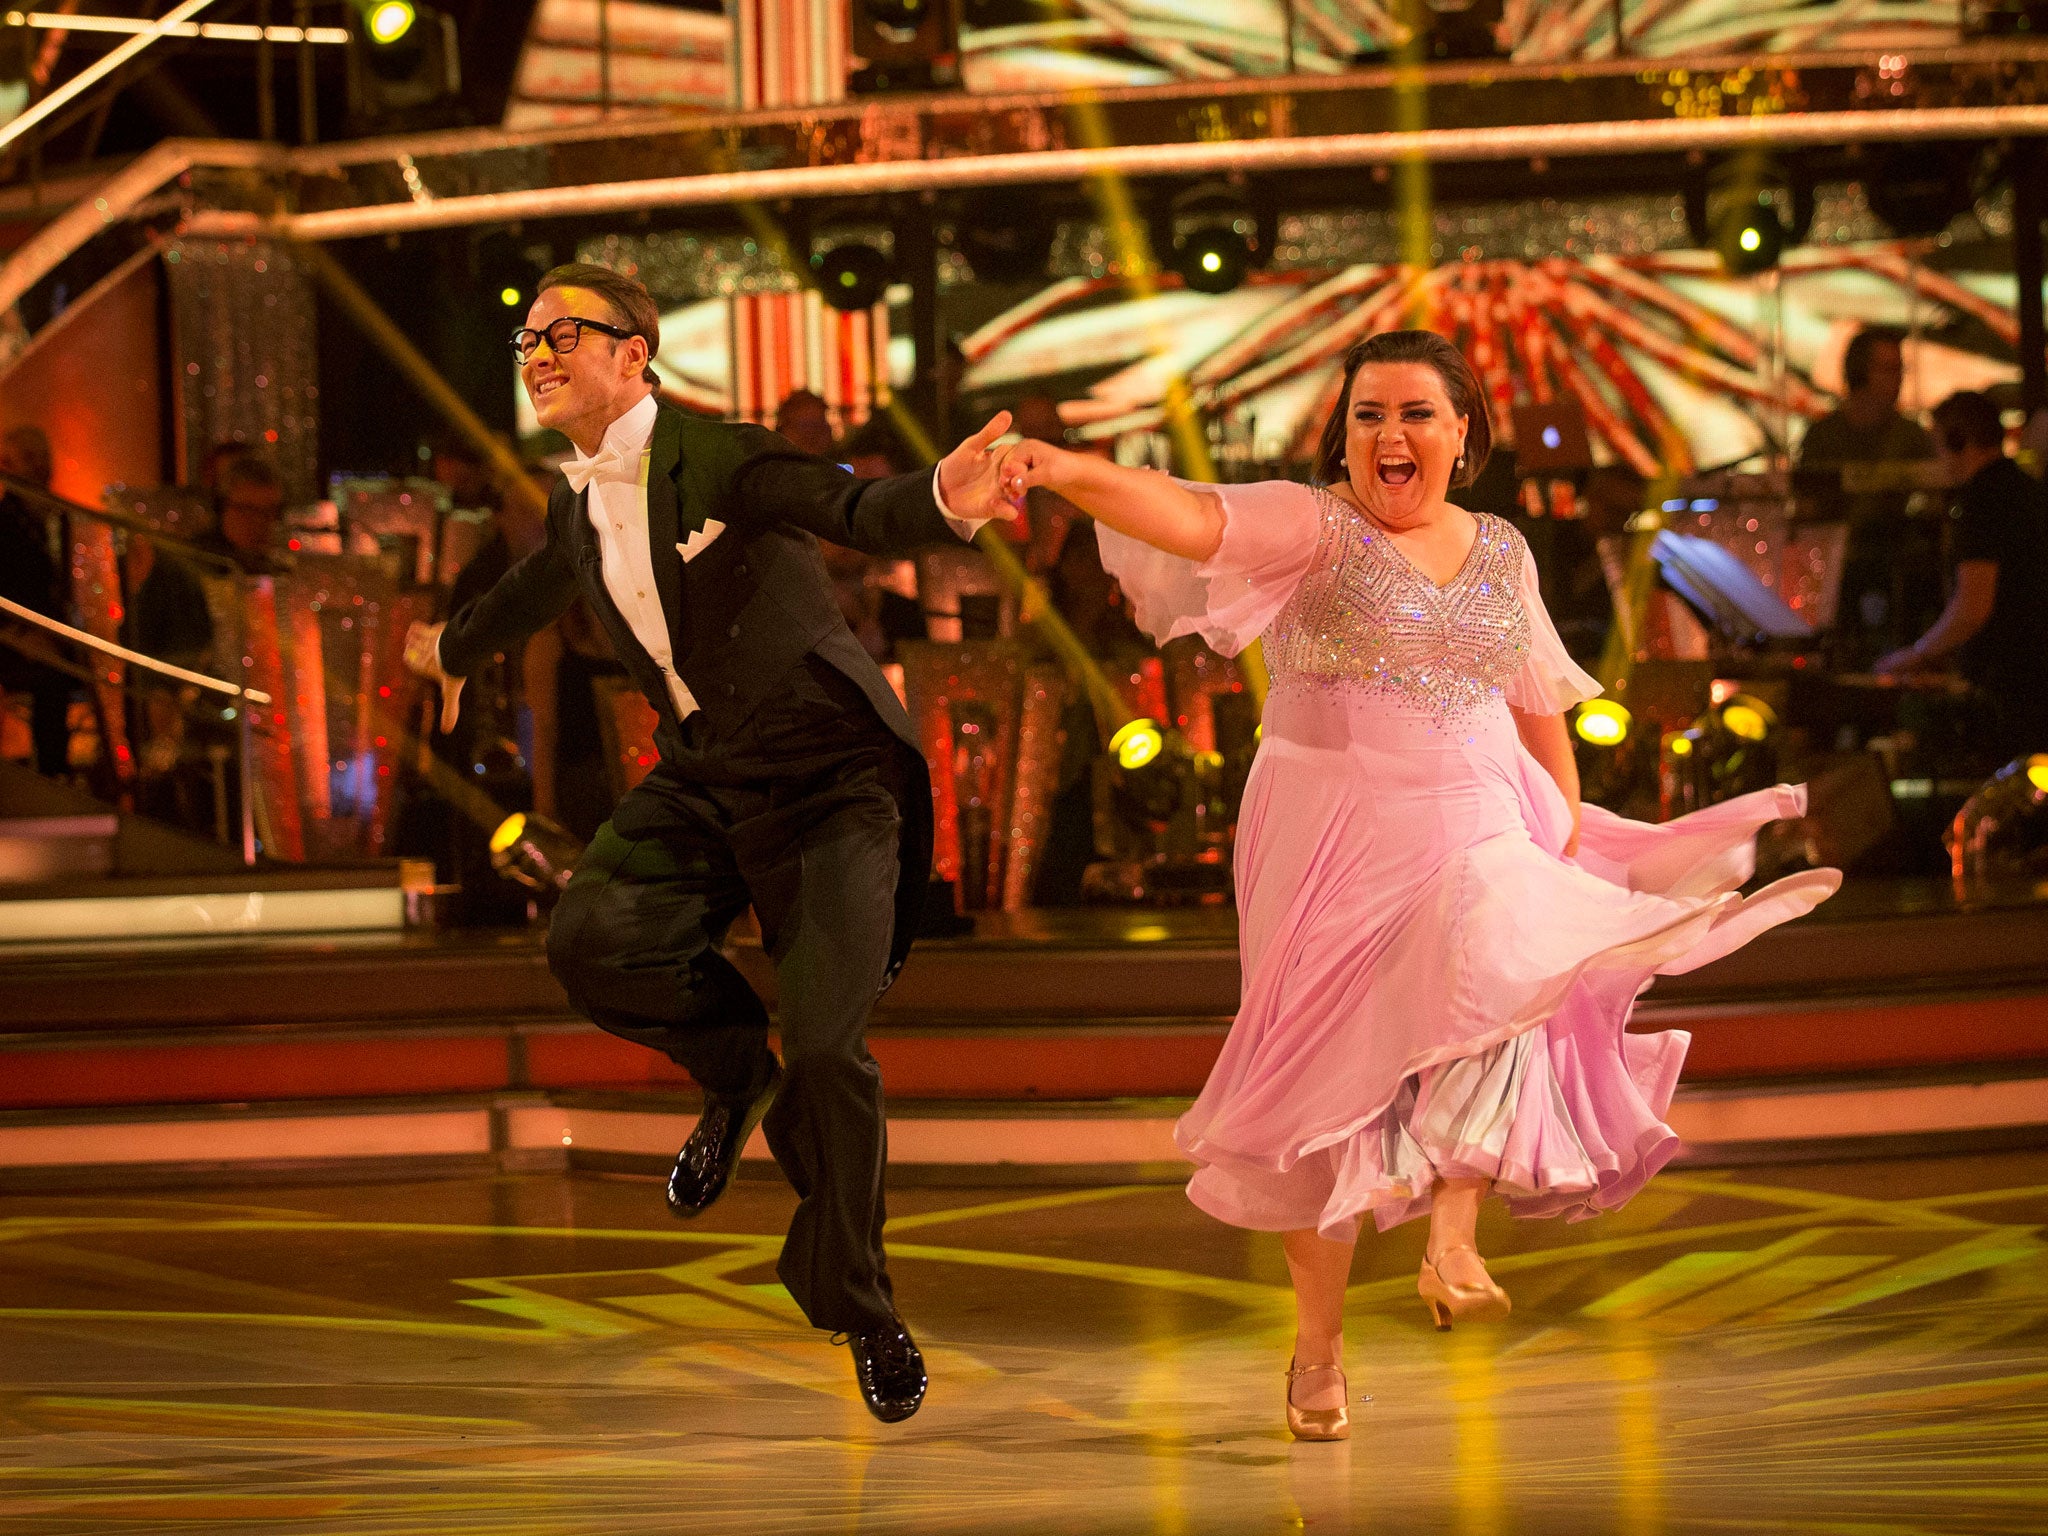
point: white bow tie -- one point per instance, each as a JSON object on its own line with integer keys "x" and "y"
{"x": 610, "y": 462}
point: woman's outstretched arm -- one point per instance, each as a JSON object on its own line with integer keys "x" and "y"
{"x": 1143, "y": 503}
{"x": 1549, "y": 741}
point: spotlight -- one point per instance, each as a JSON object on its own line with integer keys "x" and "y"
{"x": 1213, "y": 259}
{"x": 509, "y": 297}
{"x": 1137, "y": 743}
{"x": 852, "y": 276}
{"x": 1749, "y": 238}
{"x": 1602, "y": 723}
{"x": 389, "y": 20}
{"x": 2003, "y": 828}
{"x": 1748, "y": 717}
{"x": 535, "y": 852}
{"x": 404, "y": 66}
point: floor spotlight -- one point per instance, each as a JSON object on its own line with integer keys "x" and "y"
{"x": 2003, "y": 828}
{"x": 1602, "y": 723}
{"x": 535, "y": 852}
{"x": 1746, "y": 716}
{"x": 1137, "y": 743}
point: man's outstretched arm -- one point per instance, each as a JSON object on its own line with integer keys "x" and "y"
{"x": 888, "y": 517}
{"x": 527, "y": 598}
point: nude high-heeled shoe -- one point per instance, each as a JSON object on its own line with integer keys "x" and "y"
{"x": 1486, "y": 1303}
{"x": 1318, "y": 1423}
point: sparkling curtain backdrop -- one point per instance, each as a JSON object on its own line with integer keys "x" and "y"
{"x": 243, "y": 355}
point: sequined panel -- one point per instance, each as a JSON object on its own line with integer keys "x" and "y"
{"x": 1365, "y": 617}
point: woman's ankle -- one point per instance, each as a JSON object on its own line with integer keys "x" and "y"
{"x": 1318, "y": 1351}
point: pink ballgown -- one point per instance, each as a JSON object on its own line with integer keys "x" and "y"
{"x": 1431, "y": 987}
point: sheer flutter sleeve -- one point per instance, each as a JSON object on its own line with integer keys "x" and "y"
{"x": 1550, "y": 682}
{"x": 1270, "y": 532}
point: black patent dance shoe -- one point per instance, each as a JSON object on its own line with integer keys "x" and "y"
{"x": 889, "y": 1368}
{"x": 705, "y": 1165}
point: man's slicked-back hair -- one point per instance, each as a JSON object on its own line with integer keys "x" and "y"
{"x": 632, "y": 306}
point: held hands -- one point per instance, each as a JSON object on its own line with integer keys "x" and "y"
{"x": 423, "y": 656}
{"x": 1030, "y": 463}
{"x": 970, "y": 476}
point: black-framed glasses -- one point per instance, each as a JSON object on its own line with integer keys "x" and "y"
{"x": 561, "y": 336}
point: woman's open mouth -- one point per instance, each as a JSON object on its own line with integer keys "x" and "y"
{"x": 1395, "y": 471}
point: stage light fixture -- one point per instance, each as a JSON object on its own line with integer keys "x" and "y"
{"x": 404, "y": 66}
{"x": 1749, "y": 238}
{"x": 2002, "y": 830}
{"x": 1602, "y": 723}
{"x": 1212, "y": 259}
{"x": 1745, "y": 716}
{"x": 852, "y": 276}
{"x": 1137, "y": 743}
{"x": 903, "y": 45}
{"x": 388, "y": 21}
{"x": 535, "y": 852}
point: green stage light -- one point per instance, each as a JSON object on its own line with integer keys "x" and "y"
{"x": 1212, "y": 259}
{"x": 1137, "y": 743}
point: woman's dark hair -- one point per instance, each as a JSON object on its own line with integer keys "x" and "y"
{"x": 1856, "y": 357}
{"x": 1969, "y": 419}
{"x": 1460, "y": 383}
{"x": 632, "y": 306}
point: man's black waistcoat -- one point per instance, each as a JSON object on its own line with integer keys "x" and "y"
{"x": 751, "y": 603}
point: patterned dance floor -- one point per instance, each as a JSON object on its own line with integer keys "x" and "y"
{"x": 1843, "y": 1348}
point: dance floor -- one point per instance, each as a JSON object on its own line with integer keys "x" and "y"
{"x": 1853, "y": 1347}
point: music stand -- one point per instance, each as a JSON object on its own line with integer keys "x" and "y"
{"x": 1724, "y": 591}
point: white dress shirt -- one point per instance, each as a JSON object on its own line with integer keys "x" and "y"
{"x": 617, "y": 508}
{"x": 616, "y": 477}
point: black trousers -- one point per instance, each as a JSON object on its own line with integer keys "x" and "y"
{"x": 635, "y": 942}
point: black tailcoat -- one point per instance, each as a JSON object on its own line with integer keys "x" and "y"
{"x": 748, "y": 606}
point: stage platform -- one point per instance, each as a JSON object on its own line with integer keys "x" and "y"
{"x": 1821, "y": 1348}
{"x": 1044, "y": 1046}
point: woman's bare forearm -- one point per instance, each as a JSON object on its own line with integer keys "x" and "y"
{"x": 1549, "y": 741}
{"x": 1140, "y": 502}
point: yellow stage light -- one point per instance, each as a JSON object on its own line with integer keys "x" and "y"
{"x": 389, "y": 20}
{"x": 1137, "y": 743}
{"x": 2037, "y": 771}
{"x": 509, "y": 297}
{"x": 1748, "y": 717}
{"x": 1603, "y": 723}
{"x": 1681, "y": 746}
{"x": 508, "y": 832}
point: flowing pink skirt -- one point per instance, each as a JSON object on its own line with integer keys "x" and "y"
{"x": 1432, "y": 989}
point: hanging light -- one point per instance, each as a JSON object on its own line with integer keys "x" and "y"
{"x": 387, "y": 21}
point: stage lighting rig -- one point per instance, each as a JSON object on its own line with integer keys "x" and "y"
{"x": 852, "y": 276}
{"x": 1920, "y": 189}
{"x": 903, "y": 45}
{"x": 1747, "y": 209}
{"x": 1218, "y": 238}
{"x": 404, "y": 66}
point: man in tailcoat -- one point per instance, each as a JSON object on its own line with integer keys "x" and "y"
{"x": 789, "y": 777}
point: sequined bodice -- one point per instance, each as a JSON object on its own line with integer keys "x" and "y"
{"x": 1365, "y": 617}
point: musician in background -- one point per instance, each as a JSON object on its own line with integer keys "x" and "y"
{"x": 1994, "y": 630}
{"x": 1888, "y": 590}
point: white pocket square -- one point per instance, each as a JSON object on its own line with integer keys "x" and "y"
{"x": 694, "y": 546}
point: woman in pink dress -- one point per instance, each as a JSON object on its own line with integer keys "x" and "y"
{"x": 1440, "y": 946}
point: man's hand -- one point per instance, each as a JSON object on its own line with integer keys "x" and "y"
{"x": 1032, "y": 463}
{"x": 423, "y": 656}
{"x": 970, "y": 476}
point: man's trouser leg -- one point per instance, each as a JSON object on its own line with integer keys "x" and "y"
{"x": 634, "y": 941}
{"x": 827, "y": 906}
